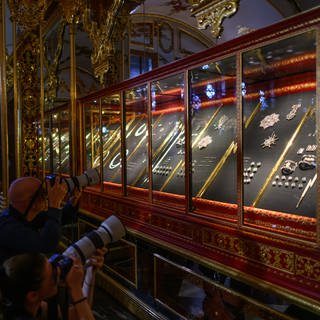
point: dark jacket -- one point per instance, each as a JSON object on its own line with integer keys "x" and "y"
{"x": 40, "y": 235}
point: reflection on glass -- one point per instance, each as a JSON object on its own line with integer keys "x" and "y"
{"x": 55, "y": 142}
{"x": 111, "y": 138}
{"x": 92, "y": 133}
{"x": 65, "y": 143}
{"x": 47, "y": 143}
{"x": 167, "y": 134}
{"x": 136, "y": 107}
{"x": 122, "y": 260}
{"x": 194, "y": 296}
{"x": 280, "y": 126}
{"x": 213, "y": 131}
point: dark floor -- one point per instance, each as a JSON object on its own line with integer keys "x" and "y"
{"x": 107, "y": 308}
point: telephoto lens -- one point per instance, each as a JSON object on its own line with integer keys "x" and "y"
{"x": 110, "y": 230}
{"x": 88, "y": 178}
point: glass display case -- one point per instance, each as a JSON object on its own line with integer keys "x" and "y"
{"x": 217, "y": 152}
{"x": 277, "y": 164}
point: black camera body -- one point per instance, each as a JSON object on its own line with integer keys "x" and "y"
{"x": 51, "y": 178}
{"x": 62, "y": 262}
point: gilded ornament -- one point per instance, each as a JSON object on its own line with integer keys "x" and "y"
{"x": 212, "y": 13}
{"x": 72, "y": 9}
{"x": 28, "y": 14}
{"x": 101, "y": 35}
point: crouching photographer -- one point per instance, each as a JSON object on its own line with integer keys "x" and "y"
{"x": 28, "y": 280}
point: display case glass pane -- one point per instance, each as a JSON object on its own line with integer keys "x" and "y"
{"x": 167, "y": 134}
{"x": 111, "y": 138}
{"x": 136, "y": 113}
{"x": 92, "y": 133}
{"x": 55, "y": 134}
{"x": 279, "y": 127}
{"x": 47, "y": 143}
{"x": 213, "y": 118}
{"x": 195, "y": 296}
{"x": 65, "y": 142}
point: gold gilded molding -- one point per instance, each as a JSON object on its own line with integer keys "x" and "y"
{"x": 26, "y": 13}
{"x": 266, "y": 255}
{"x": 307, "y": 267}
{"x": 10, "y": 73}
{"x": 28, "y": 72}
{"x": 72, "y": 9}
{"x": 212, "y": 13}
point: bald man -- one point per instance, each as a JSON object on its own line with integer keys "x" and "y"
{"x": 32, "y": 223}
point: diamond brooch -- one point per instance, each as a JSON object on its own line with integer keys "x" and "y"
{"x": 270, "y": 120}
{"x": 268, "y": 142}
{"x": 203, "y": 143}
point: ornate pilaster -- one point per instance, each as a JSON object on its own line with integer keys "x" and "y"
{"x": 28, "y": 78}
{"x": 28, "y": 15}
{"x": 72, "y": 11}
{"x": 212, "y": 13}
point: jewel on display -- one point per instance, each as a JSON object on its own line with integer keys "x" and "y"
{"x": 204, "y": 142}
{"x": 268, "y": 142}
{"x": 270, "y": 120}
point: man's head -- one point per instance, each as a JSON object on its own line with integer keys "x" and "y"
{"x": 27, "y": 279}
{"x": 25, "y": 193}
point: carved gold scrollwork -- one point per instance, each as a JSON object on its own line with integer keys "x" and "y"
{"x": 28, "y": 69}
{"x": 212, "y": 13}
{"x": 52, "y": 66}
{"x": 26, "y": 13}
{"x": 100, "y": 33}
{"x": 72, "y": 9}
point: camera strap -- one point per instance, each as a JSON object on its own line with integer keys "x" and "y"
{"x": 59, "y": 302}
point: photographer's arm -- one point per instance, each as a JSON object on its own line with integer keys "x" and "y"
{"x": 56, "y": 193}
{"x": 95, "y": 263}
{"x": 70, "y": 209}
{"x": 80, "y": 308}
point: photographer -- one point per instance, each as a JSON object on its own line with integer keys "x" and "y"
{"x": 26, "y": 280}
{"x": 32, "y": 223}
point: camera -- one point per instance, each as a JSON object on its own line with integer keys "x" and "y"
{"x": 110, "y": 230}
{"x": 88, "y": 178}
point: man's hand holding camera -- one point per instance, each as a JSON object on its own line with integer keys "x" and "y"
{"x": 56, "y": 192}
